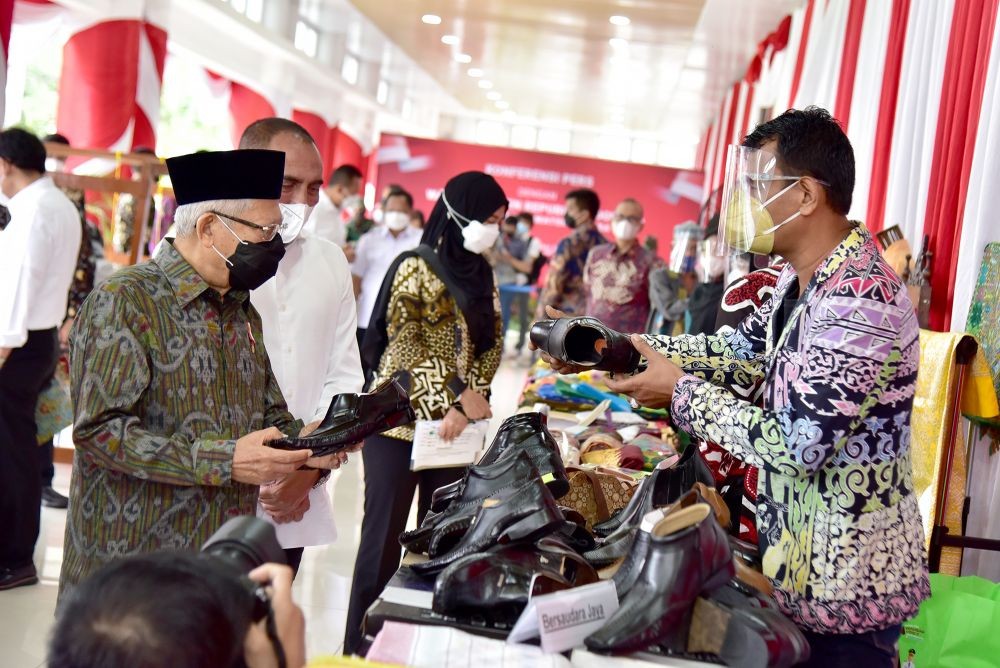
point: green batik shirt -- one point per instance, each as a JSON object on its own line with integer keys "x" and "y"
{"x": 165, "y": 376}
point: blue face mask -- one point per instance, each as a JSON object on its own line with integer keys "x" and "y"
{"x": 523, "y": 229}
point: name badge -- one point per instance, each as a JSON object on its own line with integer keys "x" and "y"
{"x": 564, "y": 619}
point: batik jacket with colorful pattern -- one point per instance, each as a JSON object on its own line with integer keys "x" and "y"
{"x": 839, "y": 528}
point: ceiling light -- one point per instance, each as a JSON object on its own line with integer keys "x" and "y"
{"x": 450, "y": 40}
{"x": 494, "y": 95}
{"x": 616, "y": 42}
{"x": 463, "y": 58}
{"x": 431, "y": 19}
{"x": 619, "y": 20}
{"x": 485, "y": 84}
{"x": 502, "y": 104}
{"x": 475, "y": 72}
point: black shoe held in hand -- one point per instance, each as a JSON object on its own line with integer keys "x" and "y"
{"x": 352, "y": 418}
{"x": 586, "y": 342}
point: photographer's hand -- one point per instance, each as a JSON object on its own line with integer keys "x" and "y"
{"x": 288, "y": 619}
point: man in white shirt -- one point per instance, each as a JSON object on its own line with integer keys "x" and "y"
{"x": 328, "y": 220}
{"x": 377, "y": 249}
{"x": 309, "y": 320}
{"x": 38, "y": 252}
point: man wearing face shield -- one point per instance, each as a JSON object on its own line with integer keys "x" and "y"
{"x": 309, "y": 319}
{"x": 174, "y": 394}
{"x": 710, "y": 266}
{"x": 836, "y": 350}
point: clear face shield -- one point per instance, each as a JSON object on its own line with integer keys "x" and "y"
{"x": 751, "y": 184}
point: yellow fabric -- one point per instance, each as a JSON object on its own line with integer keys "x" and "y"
{"x": 979, "y": 396}
{"x": 346, "y": 662}
{"x": 931, "y": 423}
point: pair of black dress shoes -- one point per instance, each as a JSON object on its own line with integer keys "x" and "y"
{"x": 522, "y": 450}
{"x": 354, "y": 417}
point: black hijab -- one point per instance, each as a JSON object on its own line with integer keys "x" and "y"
{"x": 474, "y": 196}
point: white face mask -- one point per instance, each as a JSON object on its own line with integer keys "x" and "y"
{"x": 625, "y": 230}
{"x": 396, "y": 220}
{"x": 476, "y": 237}
{"x": 293, "y": 218}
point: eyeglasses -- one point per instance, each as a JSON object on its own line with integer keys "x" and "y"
{"x": 268, "y": 232}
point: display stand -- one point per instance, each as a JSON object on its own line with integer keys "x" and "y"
{"x": 147, "y": 168}
{"x": 941, "y": 538}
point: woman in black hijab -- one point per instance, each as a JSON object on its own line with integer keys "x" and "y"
{"x": 437, "y": 323}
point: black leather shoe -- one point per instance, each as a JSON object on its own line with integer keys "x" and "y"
{"x": 53, "y": 499}
{"x": 527, "y": 432}
{"x": 619, "y": 544}
{"x": 352, "y": 418}
{"x": 497, "y": 584}
{"x": 688, "y": 555}
{"x": 661, "y": 488}
{"x": 18, "y": 577}
{"x": 525, "y": 514}
{"x": 480, "y": 482}
{"x": 744, "y": 634}
{"x": 586, "y": 341}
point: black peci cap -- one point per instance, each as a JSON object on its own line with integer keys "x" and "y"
{"x": 242, "y": 174}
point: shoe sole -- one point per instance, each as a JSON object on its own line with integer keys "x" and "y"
{"x": 20, "y": 583}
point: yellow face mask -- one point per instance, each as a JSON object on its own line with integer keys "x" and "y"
{"x": 749, "y": 226}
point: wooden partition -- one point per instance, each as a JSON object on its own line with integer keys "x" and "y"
{"x": 147, "y": 171}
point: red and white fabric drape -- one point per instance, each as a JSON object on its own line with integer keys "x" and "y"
{"x": 109, "y": 90}
{"x": 914, "y": 84}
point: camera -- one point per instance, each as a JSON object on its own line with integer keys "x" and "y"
{"x": 241, "y": 545}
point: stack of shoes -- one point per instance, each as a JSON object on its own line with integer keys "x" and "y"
{"x": 682, "y": 592}
{"x": 515, "y": 515}
{"x": 523, "y": 449}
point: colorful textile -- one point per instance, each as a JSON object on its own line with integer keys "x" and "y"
{"x": 617, "y": 286}
{"x": 83, "y": 275}
{"x": 429, "y": 338}
{"x": 165, "y": 376}
{"x": 54, "y": 411}
{"x": 564, "y": 284}
{"x": 984, "y": 324}
{"x": 837, "y": 515}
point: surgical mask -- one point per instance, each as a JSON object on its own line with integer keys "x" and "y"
{"x": 762, "y": 225}
{"x": 252, "y": 265}
{"x": 625, "y": 230}
{"x": 523, "y": 230}
{"x": 293, "y": 218}
{"x": 570, "y": 221}
{"x": 396, "y": 221}
{"x": 476, "y": 237}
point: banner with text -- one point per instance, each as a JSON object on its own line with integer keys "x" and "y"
{"x": 537, "y": 182}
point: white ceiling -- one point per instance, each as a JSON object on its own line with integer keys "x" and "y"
{"x": 563, "y": 61}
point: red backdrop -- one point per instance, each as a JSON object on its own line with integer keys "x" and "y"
{"x": 537, "y": 182}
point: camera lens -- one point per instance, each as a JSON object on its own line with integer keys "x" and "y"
{"x": 245, "y": 543}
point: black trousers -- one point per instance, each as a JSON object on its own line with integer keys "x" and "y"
{"x": 875, "y": 649}
{"x": 46, "y": 467}
{"x": 389, "y": 487}
{"x": 23, "y": 376}
{"x": 293, "y": 557}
